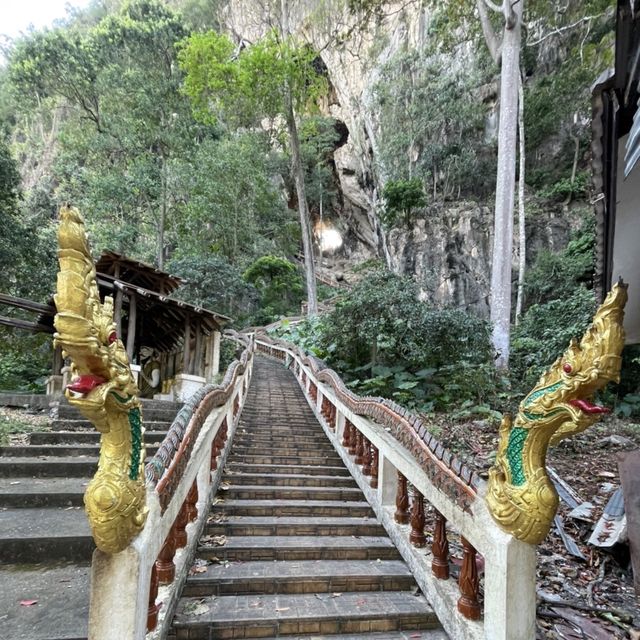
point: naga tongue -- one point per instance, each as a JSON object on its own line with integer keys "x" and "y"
{"x": 587, "y": 407}
{"x": 85, "y": 384}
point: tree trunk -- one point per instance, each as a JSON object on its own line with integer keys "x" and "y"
{"x": 163, "y": 212}
{"x": 522, "y": 239}
{"x": 298, "y": 176}
{"x": 505, "y": 185}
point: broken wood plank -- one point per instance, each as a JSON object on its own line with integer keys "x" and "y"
{"x": 612, "y": 526}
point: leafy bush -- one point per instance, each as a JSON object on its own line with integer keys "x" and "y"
{"x": 545, "y": 332}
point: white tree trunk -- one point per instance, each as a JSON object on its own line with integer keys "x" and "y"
{"x": 505, "y": 186}
{"x": 522, "y": 239}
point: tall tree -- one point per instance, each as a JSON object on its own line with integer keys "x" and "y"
{"x": 273, "y": 78}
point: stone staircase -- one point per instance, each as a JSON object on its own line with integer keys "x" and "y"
{"x": 291, "y": 548}
{"x": 45, "y": 541}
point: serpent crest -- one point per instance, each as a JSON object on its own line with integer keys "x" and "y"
{"x": 102, "y": 388}
{"x": 521, "y": 497}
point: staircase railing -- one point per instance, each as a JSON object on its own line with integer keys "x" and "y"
{"x": 412, "y": 481}
{"x": 181, "y": 479}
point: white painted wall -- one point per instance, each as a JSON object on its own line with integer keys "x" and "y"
{"x": 626, "y": 254}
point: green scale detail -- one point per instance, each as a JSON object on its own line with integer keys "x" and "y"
{"x": 540, "y": 392}
{"x": 136, "y": 442}
{"x": 514, "y": 454}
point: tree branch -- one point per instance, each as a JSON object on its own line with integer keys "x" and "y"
{"x": 562, "y": 29}
{"x": 493, "y": 44}
{"x": 494, "y": 7}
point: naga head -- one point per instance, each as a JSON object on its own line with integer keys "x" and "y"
{"x": 520, "y": 495}
{"x": 85, "y": 329}
{"x": 563, "y": 400}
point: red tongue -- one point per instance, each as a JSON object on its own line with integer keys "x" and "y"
{"x": 85, "y": 384}
{"x": 587, "y": 407}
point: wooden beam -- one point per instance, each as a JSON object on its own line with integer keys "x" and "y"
{"x": 196, "y": 365}
{"x": 35, "y": 327}
{"x": 29, "y": 305}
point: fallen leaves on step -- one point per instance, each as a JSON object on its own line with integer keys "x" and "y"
{"x": 282, "y": 609}
{"x": 214, "y": 541}
{"x": 196, "y": 608}
{"x": 199, "y": 566}
{"x": 28, "y": 603}
{"x": 217, "y": 518}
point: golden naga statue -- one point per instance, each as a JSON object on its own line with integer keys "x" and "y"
{"x": 521, "y": 497}
{"x": 102, "y": 388}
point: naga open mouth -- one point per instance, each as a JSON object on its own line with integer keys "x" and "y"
{"x": 588, "y": 407}
{"x": 82, "y": 385}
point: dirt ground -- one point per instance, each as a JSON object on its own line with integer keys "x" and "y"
{"x": 589, "y": 464}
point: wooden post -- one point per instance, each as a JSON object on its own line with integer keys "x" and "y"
{"x": 401, "y": 516}
{"x": 180, "y": 526}
{"x": 417, "y": 537}
{"x": 117, "y": 312}
{"x": 440, "y": 549}
{"x": 131, "y": 327}
{"x": 469, "y": 583}
{"x": 187, "y": 344}
{"x": 353, "y": 439}
{"x": 196, "y": 365}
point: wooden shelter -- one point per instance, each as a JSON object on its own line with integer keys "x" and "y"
{"x": 185, "y": 338}
{"x": 616, "y": 166}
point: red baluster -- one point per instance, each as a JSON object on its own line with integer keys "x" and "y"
{"x": 366, "y": 456}
{"x": 353, "y": 439}
{"x": 417, "y": 537}
{"x": 401, "y": 515}
{"x": 469, "y": 583}
{"x": 359, "y": 459}
{"x": 374, "y": 467}
{"x": 180, "y": 527}
{"x": 214, "y": 452}
{"x": 164, "y": 566}
{"x": 191, "y": 502}
{"x": 346, "y": 434}
{"x": 152, "y": 610}
{"x": 440, "y": 549}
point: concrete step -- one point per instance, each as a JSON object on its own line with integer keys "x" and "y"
{"x": 24, "y": 493}
{"x": 257, "y": 492}
{"x": 61, "y": 592}
{"x": 241, "y": 467}
{"x": 59, "y": 450}
{"x": 83, "y": 425}
{"x": 287, "y": 479}
{"x": 297, "y": 548}
{"x": 257, "y": 616}
{"x": 306, "y": 576}
{"x": 247, "y": 437}
{"x": 332, "y": 460}
{"x": 90, "y": 436}
{"x": 329, "y": 508}
{"x": 423, "y": 634}
{"x": 163, "y": 411}
{"x": 41, "y": 535}
{"x": 293, "y": 526}
{"x": 45, "y": 467}
{"x": 284, "y": 450}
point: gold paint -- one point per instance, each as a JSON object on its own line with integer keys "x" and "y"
{"x": 114, "y": 503}
{"x": 526, "y": 510}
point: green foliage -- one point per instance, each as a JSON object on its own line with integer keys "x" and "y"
{"x": 565, "y": 189}
{"x": 242, "y": 86}
{"x": 545, "y": 331}
{"x": 12, "y": 425}
{"x": 25, "y": 360}
{"x": 401, "y": 197}
{"x": 215, "y": 284}
{"x": 558, "y": 275}
{"x": 279, "y": 283}
{"x": 432, "y": 125}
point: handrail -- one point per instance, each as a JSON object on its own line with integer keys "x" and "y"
{"x": 386, "y": 449}
{"x": 181, "y": 479}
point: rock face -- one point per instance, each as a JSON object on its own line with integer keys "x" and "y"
{"x": 448, "y": 251}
